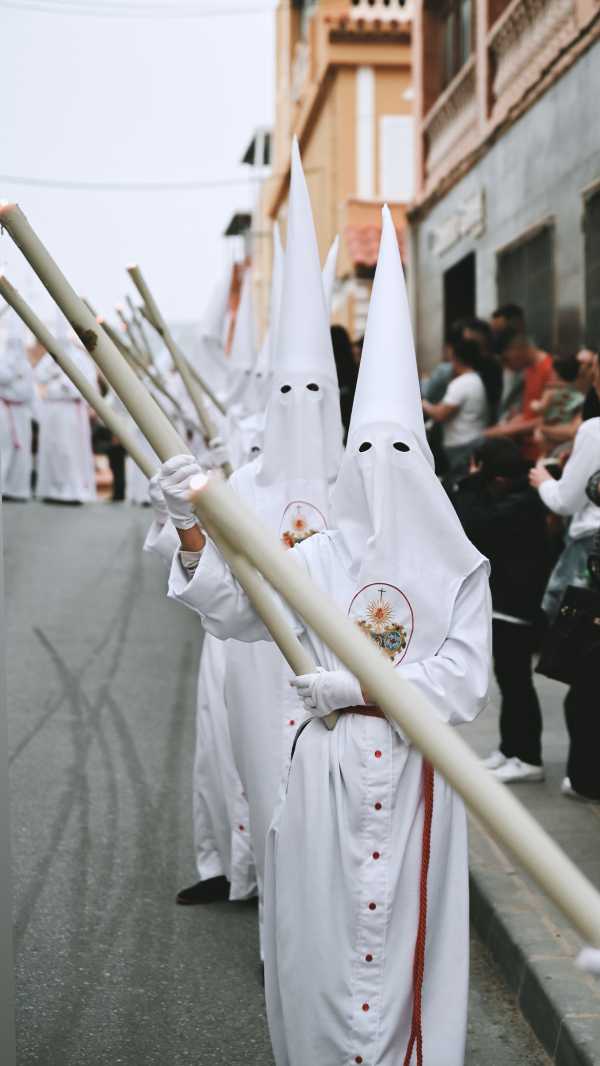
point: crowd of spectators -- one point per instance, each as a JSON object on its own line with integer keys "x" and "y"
{"x": 515, "y": 434}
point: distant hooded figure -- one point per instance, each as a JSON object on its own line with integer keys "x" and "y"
{"x": 65, "y": 460}
{"x": 16, "y": 401}
{"x": 366, "y": 894}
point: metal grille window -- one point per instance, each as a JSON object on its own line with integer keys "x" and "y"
{"x": 525, "y": 275}
{"x": 591, "y": 227}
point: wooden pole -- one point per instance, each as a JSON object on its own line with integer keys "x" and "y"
{"x": 179, "y": 360}
{"x": 154, "y": 316}
{"x": 158, "y": 383}
{"x": 111, "y": 418}
{"x": 141, "y": 406}
{"x": 136, "y": 322}
{"x": 491, "y": 802}
{"x": 133, "y": 343}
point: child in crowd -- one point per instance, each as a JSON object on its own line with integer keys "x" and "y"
{"x": 560, "y": 405}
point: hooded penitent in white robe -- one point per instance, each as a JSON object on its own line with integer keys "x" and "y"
{"x": 288, "y": 486}
{"x": 16, "y": 400}
{"x": 347, "y": 851}
{"x": 222, "y": 840}
{"x": 65, "y": 465}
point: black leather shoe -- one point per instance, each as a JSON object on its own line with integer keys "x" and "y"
{"x": 212, "y": 891}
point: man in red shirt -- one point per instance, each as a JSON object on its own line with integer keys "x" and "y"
{"x": 519, "y": 354}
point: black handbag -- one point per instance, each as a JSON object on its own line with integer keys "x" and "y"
{"x": 574, "y": 637}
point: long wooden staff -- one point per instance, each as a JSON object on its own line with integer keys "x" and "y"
{"x": 153, "y": 315}
{"x": 132, "y": 339}
{"x": 180, "y": 362}
{"x": 153, "y": 424}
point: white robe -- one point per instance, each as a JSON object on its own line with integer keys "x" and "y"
{"x": 65, "y": 466}
{"x": 344, "y": 849}
{"x": 16, "y": 399}
{"x": 264, "y": 711}
{"x": 221, "y": 822}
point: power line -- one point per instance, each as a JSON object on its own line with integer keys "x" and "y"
{"x": 130, "y": 186}
{"x": 145, "y": 9}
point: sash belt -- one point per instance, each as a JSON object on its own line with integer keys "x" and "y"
{"x": 370, "y": 712}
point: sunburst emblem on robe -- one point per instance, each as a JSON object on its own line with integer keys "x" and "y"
{"x": 384, "y": 612}
{"x": 300, "y": 521}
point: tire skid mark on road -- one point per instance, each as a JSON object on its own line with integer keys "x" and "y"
{"x": 75, "y": 789}
{"x": 131, "y": 905}
{"x": 122, "y": 613}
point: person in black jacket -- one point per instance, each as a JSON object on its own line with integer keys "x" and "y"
{"x": 506, "y": 521}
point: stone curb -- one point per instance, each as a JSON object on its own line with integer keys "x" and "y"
{"x": 535, "y": 951}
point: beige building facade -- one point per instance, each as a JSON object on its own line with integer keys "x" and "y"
{"x": 507, "y": 204}
{"x": 344, "y": 87}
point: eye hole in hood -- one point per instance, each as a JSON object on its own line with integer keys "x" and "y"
{"x": 400, "y": 446}
{"x": 366, "y": 444}
{"x": 286, "y": 388}
{"x": 313, "y": 387}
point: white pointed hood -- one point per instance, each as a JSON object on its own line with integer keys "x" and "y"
{"x": 16, "y": 381}
{"x": 403, "y": 546}
{"x": 242, "y": 359}
{"x": 387, "y": 389}
{"x": 329, "y": 270}
{"x": 213, "y": 318}
{"x": 303, "y": 430}
{"x": 262, "y": 373}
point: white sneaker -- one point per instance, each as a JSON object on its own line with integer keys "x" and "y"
{"x": 516, "y": 770}
{"x": 567, "y": 789}
{"x": 494, "y": 761}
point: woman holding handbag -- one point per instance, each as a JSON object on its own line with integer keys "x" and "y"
{"x": 577, "y": 494}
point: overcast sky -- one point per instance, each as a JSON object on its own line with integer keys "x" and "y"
{"x": 114, "y": 99}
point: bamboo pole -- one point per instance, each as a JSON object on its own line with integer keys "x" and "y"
{"x": 208, "y": 390}
{"x": 153, "y": 315}
{"x": 111, "y": 418}
{"x": 491, "y": 802}
{"x": 136, "y": 322}
{"x": 179, "y": 360}
{"x": 141, "y": 406}
{"x": 158, "y": 383}
{"x": 133, "y": 343}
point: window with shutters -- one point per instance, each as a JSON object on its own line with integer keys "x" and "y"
{"x": 525, "y": 276}
{"x": 591, "y": 229}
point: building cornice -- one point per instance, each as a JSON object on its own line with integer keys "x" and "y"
{"x": 585, "y": 39}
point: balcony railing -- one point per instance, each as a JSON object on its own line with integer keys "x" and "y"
{"x": 451, "y": 124}
{"x": 524, "y": 42}
{"x": 382, "y": 10}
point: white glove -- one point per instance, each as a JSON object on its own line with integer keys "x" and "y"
{"x": 218, "y": 453}
{"x": 589, "y": 960}
{"x": 174, "y": 479}
{"x": 157, "y": 500}
{"x": 327, "y": 691}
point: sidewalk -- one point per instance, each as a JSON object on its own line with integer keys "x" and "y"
{"x": 530, "y": 940}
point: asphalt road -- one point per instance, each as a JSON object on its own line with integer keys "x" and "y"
{"x": 101, "y": 684}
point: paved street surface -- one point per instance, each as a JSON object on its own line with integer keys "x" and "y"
{"x": 101, "y": 679}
